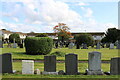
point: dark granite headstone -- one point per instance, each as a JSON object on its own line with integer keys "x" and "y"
{"x": 71, "y": 64}
{"x": 115, "y": 66}
{"x": 50, "y": 63}
{"x": 6, "y": 63}
{"x": 1, "y": 44}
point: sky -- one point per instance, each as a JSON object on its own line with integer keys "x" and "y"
{"x": 42, "y": 15}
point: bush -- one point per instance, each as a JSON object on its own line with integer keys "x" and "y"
{"x": 38, "y": 45}
{"x": 84, "y": 38}
{"x": 58, "y": 53}
{"x": 14, "y": 36}
{"x": 41, "y": 35}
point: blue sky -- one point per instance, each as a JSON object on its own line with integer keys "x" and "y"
{"x": 43, "y": 15}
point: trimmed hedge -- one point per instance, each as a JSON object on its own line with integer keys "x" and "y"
{"x": 38, "y": 45}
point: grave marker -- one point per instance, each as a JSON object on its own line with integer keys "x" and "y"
{"x": 6, "y": 60}
{"x": 50, "y": 63}
{"x": 71, "y": 64}
{"x": 27, "y": 67}
{"x": 115, "y": 66}
{"x": 71, "y": 45}
{"x": 111, "y": 46}
{"x": 94, "y": 64}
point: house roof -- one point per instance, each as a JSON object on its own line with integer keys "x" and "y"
{"x": 10, "y": 32}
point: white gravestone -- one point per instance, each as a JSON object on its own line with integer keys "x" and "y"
{"x": 94, "y": 64}
{"x": 14, "y": 44}
{"x": 111, "y": 46}
{"x": 27, "y": 67}
{"x": 71, "y": 45}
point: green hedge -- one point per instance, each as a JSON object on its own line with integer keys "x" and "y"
{"x": 38, "y": 45}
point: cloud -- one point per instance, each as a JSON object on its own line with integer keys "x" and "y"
{"x": 15, "y": 19}
{"x": 88, "y": 11}
{"x": 18, "y": 27}
{"x": 43, "y": 15}
{"x": 45, "y": 11}
{"x": 82, "y": 4}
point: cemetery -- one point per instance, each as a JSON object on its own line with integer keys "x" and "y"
{"x": 43, "y": 57}
{"x": 77, "y": 63}
{"x": 78, "y": 56}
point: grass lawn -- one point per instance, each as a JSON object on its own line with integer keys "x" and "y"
{"x": 60, "y": 66}
{"x": 19, "y": 53}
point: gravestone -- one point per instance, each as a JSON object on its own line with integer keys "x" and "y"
{"x": 98, "y": 46}
{"x": 71, "y": 64}
{"x": 115, "y": 66}
{"x": 107, "y": 45}
{"x": 14, "y": 44}
{"x": 27, "y": 67}
{"x": 94, "y": 64}
{"x": 1, "y": 44}
{"x": 118, "y": 45}
{"x": 111, "y": 46}
{"x": 6, "y": 63}
{"x": 84, "y": 46}
{"x": 50, "y": 63}
{"x": 71, "y": 45}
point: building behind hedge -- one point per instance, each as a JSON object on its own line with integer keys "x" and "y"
{"x": 6, "y": 34}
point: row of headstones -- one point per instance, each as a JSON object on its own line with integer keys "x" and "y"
{"x": 14, "y": 44}
{"x": 98, "y": 46}
{"x": 71, "y": 65}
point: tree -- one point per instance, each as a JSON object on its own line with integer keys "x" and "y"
{"x": 83, "y": 38}
{"x": 42, "y": 35}
{"x": 14, "y": 36}
{"x": 112, "y": 35}
{"x": 62, "y": 31}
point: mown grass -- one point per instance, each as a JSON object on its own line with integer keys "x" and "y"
{"x": 19, "y": 53}
{"x": 60, "y": 66}
{"x": 59, "y": 76}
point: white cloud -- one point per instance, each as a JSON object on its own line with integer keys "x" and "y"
{"x": 82, "y": 4}
{"x": 45, "y": 14}
{"x": 15, "y": 19}
{"x": 88, "y": 11}
{"x": 18, "y": 27}
{"x": 46, "y": 11}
